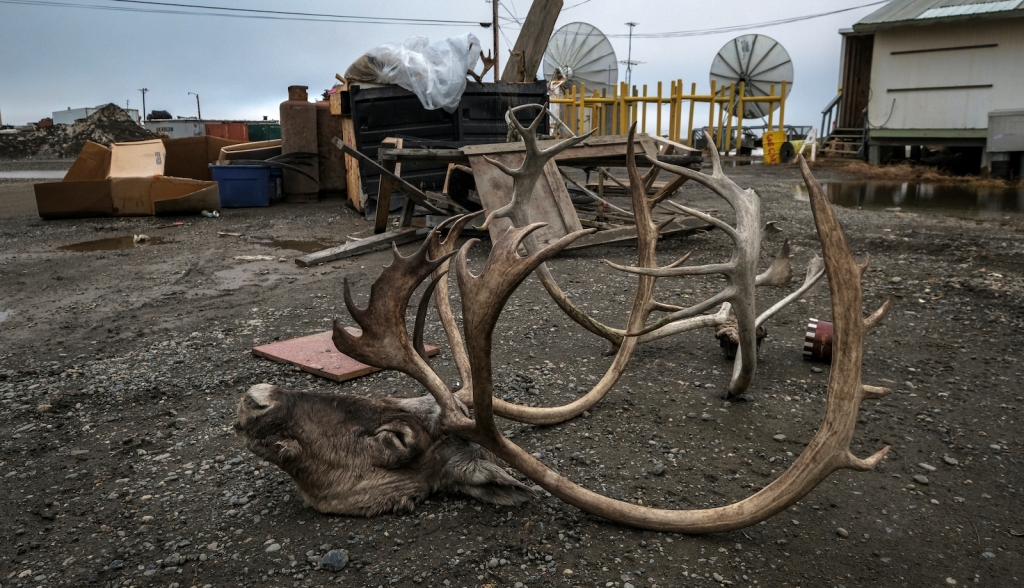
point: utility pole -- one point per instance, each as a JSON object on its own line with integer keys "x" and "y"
{"x": 143, "y": 90}
{"x": 494, "y": 25}
{"x": 629, "y": 56}
{"x": 199, "y": 111}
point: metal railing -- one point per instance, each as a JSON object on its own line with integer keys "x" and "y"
{"x": 830, "y": 113}
{"x": 612, "y": 115}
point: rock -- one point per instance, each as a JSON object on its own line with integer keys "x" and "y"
{"x": 334, "y": 560}
{"x": 926, "y": 467}
{"x": 951, "y": 581}
{"x": 842, "y": 532}
{"x": 658, "y": 469}
{"x": 816, "y": 370}
{"x": 718, "y": 577}
{"x": 493, "y": 563}
{"x": 987, "y": 554}
{"x": 627, "y": 585}
{"x": 172, "y": 560}
{"x": 895, "y": 279}
{"x": 567, "y": 572}
{"x": 273, "y": 548}
{"x": 920, "y": 479}
{"x": 950, "y": 460}
{"x": 115, "y": 565}
{"x": 779, "y": 437}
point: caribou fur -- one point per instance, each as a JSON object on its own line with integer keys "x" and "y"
{"x": 362, "y": 456}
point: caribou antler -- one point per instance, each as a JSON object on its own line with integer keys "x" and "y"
{"x": 483, "y": 297}
{"x": 740, "y": 271}
{"x": 385, "y": 341}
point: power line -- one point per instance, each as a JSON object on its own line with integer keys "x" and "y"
{"x": 734, "y": 28}
{"x": 575, "y": 5}
{"x": 286, "y": 16}
{"x": 289, "y": 13}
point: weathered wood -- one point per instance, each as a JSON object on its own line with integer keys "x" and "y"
{"x": 674, "y": 228}
{"x": 353, "y": 180}
{"x": 525, "y": 56}
{"x": 381, "y": 241}
{"x": 386, "y": 187}
{"x": 550, "y": 202}
{"x": 427, "y": 155}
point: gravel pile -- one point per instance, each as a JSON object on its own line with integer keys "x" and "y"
{"x": 110, "y": 124}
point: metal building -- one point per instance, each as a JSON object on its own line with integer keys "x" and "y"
{"x": 932, "y": 72}
{"x": 69, "y": 116}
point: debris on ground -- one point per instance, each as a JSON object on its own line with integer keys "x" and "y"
{"x": 108, "y": 125}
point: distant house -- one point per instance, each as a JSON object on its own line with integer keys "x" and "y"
{"x": 69, "y": 116}
{"x": 937, "y": 72}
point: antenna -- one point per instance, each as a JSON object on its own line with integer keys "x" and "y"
{"x": 758, "y": 61}
{"x": 629, "y": 63}
{"x": 584, "y": 55}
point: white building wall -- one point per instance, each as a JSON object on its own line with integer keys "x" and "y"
{"x": 1001, "y": 66}
{"x": 177, "y": 129}
{"x": 68, "y": 117}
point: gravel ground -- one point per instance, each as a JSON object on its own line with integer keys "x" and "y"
{"x": 120, "y": 372}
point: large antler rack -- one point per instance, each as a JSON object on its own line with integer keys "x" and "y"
{"x": 483, "y": 297}
{"x": 740, "y": 271}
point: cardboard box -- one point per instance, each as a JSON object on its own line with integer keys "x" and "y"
{"x": 143, "y": 178}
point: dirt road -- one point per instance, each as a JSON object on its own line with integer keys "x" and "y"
{"x": 120, "y": 371}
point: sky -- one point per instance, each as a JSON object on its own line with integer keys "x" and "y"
{"x": 57, "y": 54}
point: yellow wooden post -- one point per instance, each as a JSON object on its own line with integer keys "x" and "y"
{"x": 689, "y": 125}
{"x": 739, "y": 120}
{"x": 582, "y": 116}
{"x": 782, "y": 108}
{"x": 658, "y": 123}
{"x": 711, "y": 110}
{"x": 771, "y": 110}
{"x": 634, "y": 106}
{"x": 643, "y": 112}
{"x": 677, "y": 110}
{"x": 623, "y": 108}
{"x": 729, "y": 107}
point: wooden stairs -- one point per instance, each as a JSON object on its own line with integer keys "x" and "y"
{"x": 843, "y": 143}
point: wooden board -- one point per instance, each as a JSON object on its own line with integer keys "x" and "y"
{"x": 532, "y": 41}
{"x": 381, "y": 241}
{"x": 387, "y": 186}
{"x": 317, "y": 355}
{"x": 550, "y": 202}
{"x": 353, "y": 180}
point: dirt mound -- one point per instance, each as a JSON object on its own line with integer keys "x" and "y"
{"x": 110, "y": 124}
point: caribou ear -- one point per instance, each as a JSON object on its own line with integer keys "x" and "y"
{"x": 398, "y": 442}
{"x": 486, "y": 481}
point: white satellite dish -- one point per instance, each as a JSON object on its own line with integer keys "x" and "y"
{"x": 757, "y": 60}
{"x": 584, "y": 56}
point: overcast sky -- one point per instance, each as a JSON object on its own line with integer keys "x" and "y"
{"x": 55, "y": 57}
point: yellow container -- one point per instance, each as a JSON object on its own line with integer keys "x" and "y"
{"x": 771, "y": 142}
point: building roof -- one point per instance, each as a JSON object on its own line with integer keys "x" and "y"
{"x": 925, "y": 12}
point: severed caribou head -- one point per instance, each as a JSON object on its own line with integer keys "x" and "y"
{"x": 361, "y": 456}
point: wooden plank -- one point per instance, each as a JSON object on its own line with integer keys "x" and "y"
{"x": 426, "y": 155}
{"x": 387, "y": 186}
{"x": 353, "y": 180}
{"x": 380, "y": 241}
{"x": 317, "y": 355}
{"x": 625, "y": 234}
{"x": 529, "y": 49}
{"x": 495, "y": 190}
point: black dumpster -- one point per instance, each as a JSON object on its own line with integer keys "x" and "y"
{"x": 390, "y": 111}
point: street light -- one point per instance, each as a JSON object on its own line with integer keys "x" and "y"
{"x": 143, "y": 90}
{"x": 199, "y": 112}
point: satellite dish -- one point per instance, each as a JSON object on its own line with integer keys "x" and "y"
{"x": 757, "y": 60}
{"x": 584, "y": 56}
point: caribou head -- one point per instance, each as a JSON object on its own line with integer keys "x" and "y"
{"x": 363, "y": 456}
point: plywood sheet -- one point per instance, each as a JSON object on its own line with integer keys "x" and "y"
{"x": 317, "y": 355}
{"x": 550, "y": 203}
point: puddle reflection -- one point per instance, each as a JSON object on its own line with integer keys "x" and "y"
{"x": 920, "y": 197}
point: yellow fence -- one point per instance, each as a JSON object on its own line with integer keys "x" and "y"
{"x": 614, "y": 114}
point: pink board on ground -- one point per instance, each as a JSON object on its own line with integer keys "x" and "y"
{"x": 316, "y": 354}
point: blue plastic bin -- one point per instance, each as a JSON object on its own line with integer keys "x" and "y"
{"x": 244, "y": 186}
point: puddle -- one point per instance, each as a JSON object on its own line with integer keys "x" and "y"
{"x": 5, "y": 314}
{"x": 40, "y": 174}
{"x": 917, "y": 197}
{"x": 303, "y": 246}
{"x": 113, "y": 244}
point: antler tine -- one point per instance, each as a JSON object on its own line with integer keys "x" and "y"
{"x": 815, "y": 271}
{"x": 780, "y": 273}
{"x": 827, "y": 451}
{"x": 421, "y": 316}
{"x": 442, "y": 302}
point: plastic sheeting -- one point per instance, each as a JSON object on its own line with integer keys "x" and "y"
{"x": 435, "y": 72}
